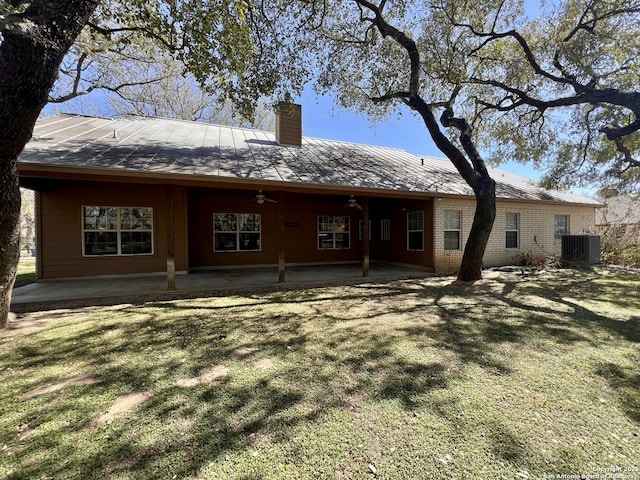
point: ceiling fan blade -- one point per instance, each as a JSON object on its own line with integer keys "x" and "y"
{"x": 261, "y": 198}
{"x": 353, "y": 203}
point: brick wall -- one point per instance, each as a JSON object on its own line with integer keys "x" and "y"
{"x": 535, "y": 233}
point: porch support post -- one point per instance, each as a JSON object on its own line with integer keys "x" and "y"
{"x": 39, "y": 232}
{"x": 171, "y": 239}
{"x": 280, "y": 233}
{"x": 365, "y": 237}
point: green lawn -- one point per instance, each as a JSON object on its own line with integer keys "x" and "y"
{"x": 26, "y": 271}
{"x": 515, "y": 377}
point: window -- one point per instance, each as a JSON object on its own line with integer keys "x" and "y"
{"x": 560, "y": 226}
{"x": 236, "y": 232}
{"x": 385, "y": 229}
{"x": 360, "y": 230}
{"x": 512, "y": 229}
{"x": 117, "y": 231}
{"x": 415, "y": 231}
{"x": 333, "y": 233}
{"x": 452, "y": 229}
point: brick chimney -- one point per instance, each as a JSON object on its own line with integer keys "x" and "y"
{"x": 289, "y": 124}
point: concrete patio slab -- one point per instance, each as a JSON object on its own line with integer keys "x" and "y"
{"x": 140, "y": 288}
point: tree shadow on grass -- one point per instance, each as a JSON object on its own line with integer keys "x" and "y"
{"x": 323, "y": 361}
{"x": 149, "y": 352}
{"x": 627, "y": 385}
{"x": 573, "y": 290}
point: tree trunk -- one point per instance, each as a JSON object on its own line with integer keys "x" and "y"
{"x": 9, "y": 234}
{"x": 485, "y": 214}
{"x": 33, "y": 46}
{"x": 475, "y": 173}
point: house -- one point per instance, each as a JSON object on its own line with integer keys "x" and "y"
{"x": 621, "y": 215}
{"x": 140, "y": 195}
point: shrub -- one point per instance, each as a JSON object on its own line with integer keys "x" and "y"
{"x": 620, "y": 245}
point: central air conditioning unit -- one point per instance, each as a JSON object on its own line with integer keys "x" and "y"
{"x": 581, "y": 249}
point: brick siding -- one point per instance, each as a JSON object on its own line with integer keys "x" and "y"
{"x": 536, "y": 231}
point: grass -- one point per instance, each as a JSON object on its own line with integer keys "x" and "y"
{"x": 26, "y": 271}
{"x": 513, "y": 377}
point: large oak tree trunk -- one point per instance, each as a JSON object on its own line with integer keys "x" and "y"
{"x": 9, "y": 234}
{"x": 467, "y": 159}
{"x": 485, "y": 214}
{"x": 33, "y": 46}
{"x": 474, "y": 172}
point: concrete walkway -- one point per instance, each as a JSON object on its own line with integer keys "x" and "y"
{"x": 136, "y": 289}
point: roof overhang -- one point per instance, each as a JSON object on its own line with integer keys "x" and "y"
{"x": 31, "y": 174}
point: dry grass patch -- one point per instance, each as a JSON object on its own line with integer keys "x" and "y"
{"x": 124, "y": 403}
{"x": 207, "y": 376}
{"x": 84, "y": 379}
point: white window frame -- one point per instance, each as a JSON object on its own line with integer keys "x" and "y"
{"x": 512, "y": 230}
{"x": 449, "y": 228}
{"x": 118, "y": 230}
{"x": 238, "y": 232}
{"x": 360, "y": 230}
{"x": 557, "y": 232}
{"x": 328, "y": 226}
{"x": 385, "y": 229}
{"x": 412, "y": 228}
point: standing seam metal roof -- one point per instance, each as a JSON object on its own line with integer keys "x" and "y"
{"x": 141, "y": 144}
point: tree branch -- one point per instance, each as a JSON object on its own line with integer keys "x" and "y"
{"x": 107, "y": 32}
{"x": 387, "y": 30}
{"x": 626, "y": 153}
{"x": 390, "y": 96}
{"x": 465, "y": 135}
{"x": 591, "y": 95}
{"x": 589, "y": 24}
{"x": 76, "y": 92}
{"x": 492, "y": 36}
{"x": 614, "y": 133}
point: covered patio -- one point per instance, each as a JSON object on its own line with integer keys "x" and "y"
{"x": 141, "y": 288}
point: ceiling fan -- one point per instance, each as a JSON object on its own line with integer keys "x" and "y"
{"x": 261, "y": 198}
{"x": 353, "y": 203}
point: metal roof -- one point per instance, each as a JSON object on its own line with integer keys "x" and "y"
{"x": 154, "y": 145}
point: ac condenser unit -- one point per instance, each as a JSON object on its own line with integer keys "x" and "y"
{"x": 581, "y": 248}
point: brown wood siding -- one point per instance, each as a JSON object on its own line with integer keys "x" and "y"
{"x": 301, "y": 229}
{"x": 395, "y": 249}
{"x": 300, "y": 220}
{"x": 39, "y": 249}
{"x": 204, "y": 204}
{"x": 181, "y": 220}
{"x": 61, "y": 228}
